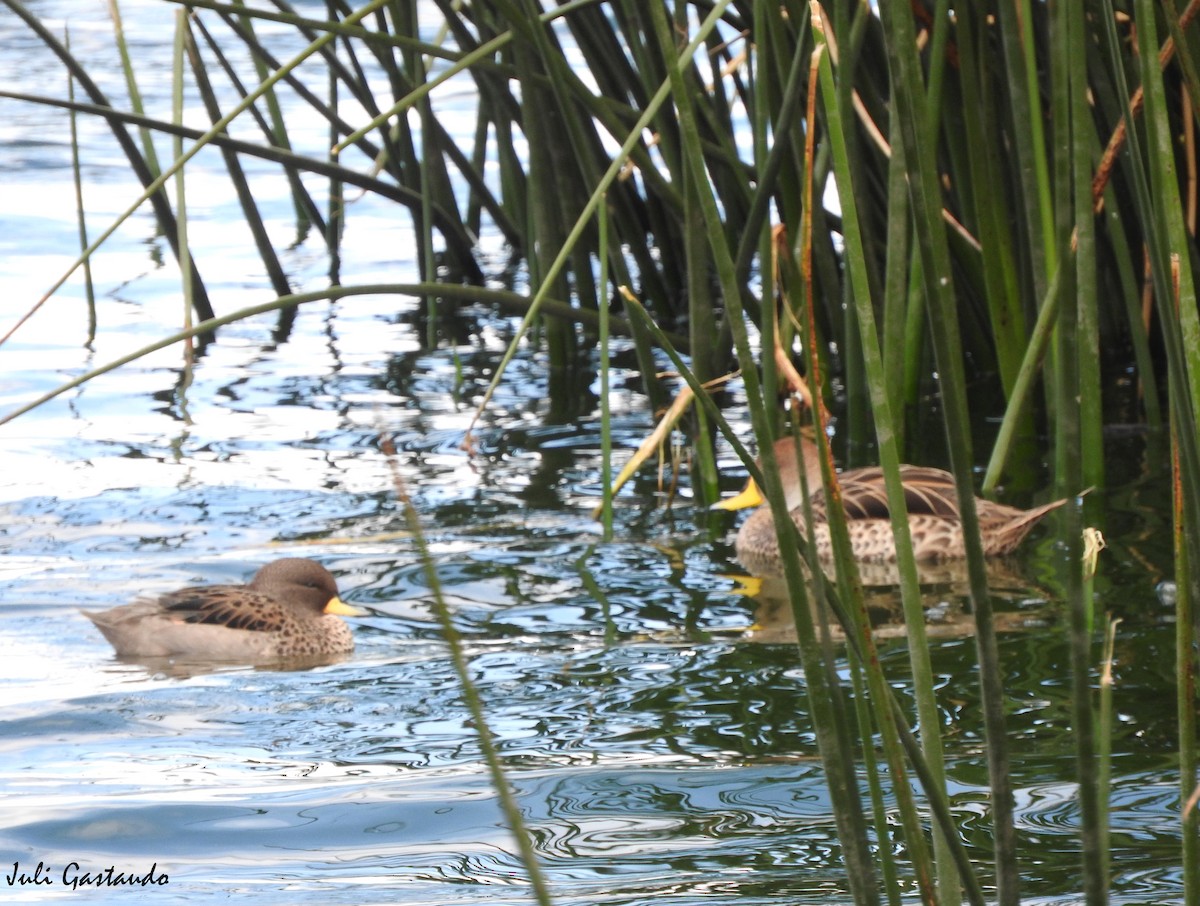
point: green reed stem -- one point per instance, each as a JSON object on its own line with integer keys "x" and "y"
{"x": 335, "y": 215}
{"x": 1021, "y": 69}
{"x": 837, "y": 108}
{"x": 131, "y": 85}
{"x": 1087, "y": 287}
{"x": 988, "y": 195}
{"x": 900, "y": 352}
{"x": 1076, "y": 332}
{"x": 943, "y": 322}
{"x": 181, "y": 210}
{"x": 77, "y": 176}
{"x": 278, "y": 126}
{"x": 1170, "y": 247}
{"x": 884, "y": 843}
{"x": 1130, "y": 292}
{"x": 462, "y": 669}
{"x": 702, "y": 332}
{"x": 606, "y": 513}
{"x": 1035, "y": 349}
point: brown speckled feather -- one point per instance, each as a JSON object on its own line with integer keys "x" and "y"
{"x": 231, "y": 606}
{"x": 933, "y": 515}
{"x": 927, "y": 492}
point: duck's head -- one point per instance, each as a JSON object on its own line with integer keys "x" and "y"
{"x": 304, "y": 583}
{"x": 789, "y": 475}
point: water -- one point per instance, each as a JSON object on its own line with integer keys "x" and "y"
{"x": 653, "y": 720}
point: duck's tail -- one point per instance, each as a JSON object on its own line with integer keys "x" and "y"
{"x": 1007, "y": 532}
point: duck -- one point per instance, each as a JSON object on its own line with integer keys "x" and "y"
{"x": 929, "y": 495}
{"x": 290, "y": 610}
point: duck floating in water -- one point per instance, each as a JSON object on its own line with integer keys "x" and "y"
{"x": 288, "y": 611}
{"x": 929, "y": 495}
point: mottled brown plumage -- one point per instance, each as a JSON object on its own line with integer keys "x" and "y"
{"x": 286, "y": 612}
{"x": 929, "y": 496}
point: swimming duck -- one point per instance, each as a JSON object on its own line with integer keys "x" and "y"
{"x": 287, "y": 611}
{"x": 929, "y": 495}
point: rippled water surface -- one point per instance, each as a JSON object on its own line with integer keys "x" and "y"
{"x": 652, "y": 718}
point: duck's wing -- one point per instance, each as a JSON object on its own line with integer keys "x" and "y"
{"x": 927, "y": 492}
{"x": 231, "y": 606}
